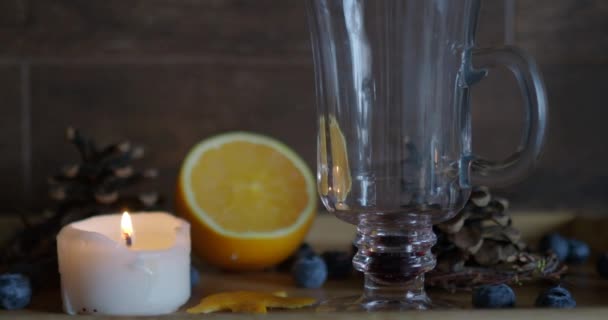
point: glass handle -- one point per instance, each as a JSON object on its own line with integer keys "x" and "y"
{"x": 526, "y": 72}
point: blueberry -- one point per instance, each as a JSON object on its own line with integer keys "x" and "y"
{"x": 309, "y": 271}
{"x": 15, "y": 291}
{"x": 602, "y": 265}
{"x": 304, "y": 250}
{"x": 195, "y": 276}
{"x": 555, "y": 243}
{"x": 339, "y": 264}
{"x": 494, "y": 296}
{"x": 578, "y": 252}
{"x": 555, "y": 297}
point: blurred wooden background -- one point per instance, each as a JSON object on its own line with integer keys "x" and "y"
{"x": 167, "y": 73}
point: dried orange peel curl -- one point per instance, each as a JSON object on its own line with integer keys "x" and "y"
{"x": 249, "y": 302}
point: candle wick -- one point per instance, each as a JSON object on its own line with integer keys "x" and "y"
{"x": 128, "y": 239}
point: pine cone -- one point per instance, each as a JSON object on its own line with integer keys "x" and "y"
{"x": 101, "y": 182}
{"x": 482, "y": 230}
{"x": 101, "y": 177}
{"x": 480, "y": 246}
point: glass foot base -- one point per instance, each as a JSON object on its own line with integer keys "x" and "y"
{"x": 361, "y": 304}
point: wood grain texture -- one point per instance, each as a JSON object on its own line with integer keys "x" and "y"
{"x": 491, "y": 24}
{"x": 497, "y": 115}
{"x": 13, "y": 13}
{"x": 168, "y": 73}
{"x": 549, "y": 314}
{"x": 565, "y": 31}
{"x": 167, "y": 109}
{"x": 569, "y": 41}
{"x": 330, "y": 233}
{"x": 11, "y": 166}
{"x": 115, "y": 29}
{"x": 68, "y": 28}
{"x": 573, "y": 171}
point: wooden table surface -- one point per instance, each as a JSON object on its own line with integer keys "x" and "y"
{"x": 590, "y": 291}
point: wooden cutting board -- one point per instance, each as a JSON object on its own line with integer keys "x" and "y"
{"x": 590, "y": 291}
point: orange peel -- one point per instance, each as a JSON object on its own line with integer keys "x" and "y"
{"x": 250, "y": 200}
{"x": 249, "y": 302}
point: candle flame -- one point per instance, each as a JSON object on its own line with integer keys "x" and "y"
{"x": 126, "y": 227}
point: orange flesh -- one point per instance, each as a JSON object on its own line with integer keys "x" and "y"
{"x": 244, "y": 187}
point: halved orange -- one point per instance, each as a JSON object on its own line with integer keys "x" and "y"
{"x": 249, "y": 198}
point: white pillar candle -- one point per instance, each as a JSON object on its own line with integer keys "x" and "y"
{"x": 101, "y": 274}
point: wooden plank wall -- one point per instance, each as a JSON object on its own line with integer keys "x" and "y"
{"x": 167, "y": 73}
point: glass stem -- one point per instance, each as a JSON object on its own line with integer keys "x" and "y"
{"x": 394, "y": 255}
